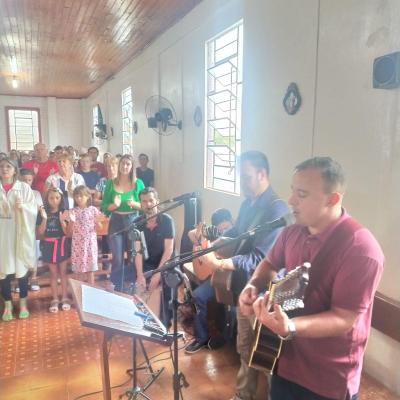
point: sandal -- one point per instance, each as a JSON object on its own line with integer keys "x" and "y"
{"x": 23, "y": 308}
{"x": 65, "y": 304}
{"x": 54, "y": 306}
{"x": 8, "y": 311}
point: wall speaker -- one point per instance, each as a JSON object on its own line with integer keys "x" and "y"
{"x": 386, "y": 72}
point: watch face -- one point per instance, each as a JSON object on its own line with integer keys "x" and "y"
{"x": 292, "y": 328}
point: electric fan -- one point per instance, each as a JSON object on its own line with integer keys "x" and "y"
{"x": 161, "y": 116}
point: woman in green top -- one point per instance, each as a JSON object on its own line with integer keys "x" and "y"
{"x": 121, "y": 201}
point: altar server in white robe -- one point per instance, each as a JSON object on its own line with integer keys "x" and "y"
{"x": 18, "y": 212}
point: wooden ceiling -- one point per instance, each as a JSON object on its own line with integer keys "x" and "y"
{"x": 69, "y": 48}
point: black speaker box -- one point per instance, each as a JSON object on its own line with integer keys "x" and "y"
{"x": 386, "y": 72}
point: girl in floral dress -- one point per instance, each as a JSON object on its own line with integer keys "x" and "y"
{"x": 83, "y": 221}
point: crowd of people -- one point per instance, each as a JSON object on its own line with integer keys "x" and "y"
{"x": 52, "y": 206}
{"x": 324, "y": 343}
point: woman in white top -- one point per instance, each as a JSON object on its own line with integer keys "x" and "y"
{"x": 66, "y": 180}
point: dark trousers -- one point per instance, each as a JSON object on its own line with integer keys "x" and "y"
{"x": 282, "y": 389}
{"x": 202, "y": 295}
{"x": 5, "y": 285}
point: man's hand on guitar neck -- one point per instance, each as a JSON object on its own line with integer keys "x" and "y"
{"x": 246, "y": 299}
{"x": 273, "y": 318}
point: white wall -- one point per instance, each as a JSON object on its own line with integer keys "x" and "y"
{"x": 19, "y": 101}
{"x": 327, "y": 48}
{"x": 61, "y": 120}
{"x": 173, "y": 66}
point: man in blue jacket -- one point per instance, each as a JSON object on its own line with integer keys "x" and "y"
{"x": 261, "y": 205}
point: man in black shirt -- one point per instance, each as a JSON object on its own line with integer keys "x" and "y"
{"x": 143, "y": 172}
{"x": 154, "y": 247}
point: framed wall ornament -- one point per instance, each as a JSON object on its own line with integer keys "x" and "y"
{"x": 292, "y": 99}
{"x": 197, "y": 116}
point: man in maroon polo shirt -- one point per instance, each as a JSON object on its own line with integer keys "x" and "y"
{"x": 324, "y": 347}
{"x": 42, "y": 166}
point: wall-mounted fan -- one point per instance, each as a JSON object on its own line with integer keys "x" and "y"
{"x": 161, "y": 116}
{"x": 100, "y": 129}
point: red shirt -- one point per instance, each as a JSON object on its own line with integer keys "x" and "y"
{"x": 331, "y": 366}
{"x": 44, "y": 170}
{"x": 99, "y": 168}
{"x": 7, "y": 186}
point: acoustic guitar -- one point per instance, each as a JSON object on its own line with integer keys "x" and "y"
{"x": 288, "y": 292}
{"x": 220, "y": 279}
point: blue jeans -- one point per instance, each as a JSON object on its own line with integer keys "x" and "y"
{"x": 282, "y": 389}
{"x": 120, "y": 242}
{"x": 202, "y": 295}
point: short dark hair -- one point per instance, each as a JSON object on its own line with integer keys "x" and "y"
{"x": 148, "y": 190}
{"x": 58, "y": 148}
{"x": 331, "y": 171}
{"x": 93, "y": 148}
{"x": 144, "y": 155}
{"x": 26, "y": 171}
{"x": 257, "y": 159}
{"x": 220, "y": 215}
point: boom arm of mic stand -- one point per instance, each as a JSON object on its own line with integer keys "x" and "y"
{"x": 174, "y": 262}
{"x": 142, "y": 221}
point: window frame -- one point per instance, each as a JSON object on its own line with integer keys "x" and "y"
{"x": 235, "y": 88}
{"x": 18, "y": 108}
{"x": 131, "y": 133}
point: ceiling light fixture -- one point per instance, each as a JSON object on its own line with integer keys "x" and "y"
{"x": 14, "y": 82}
{"x": 14, "y": 67}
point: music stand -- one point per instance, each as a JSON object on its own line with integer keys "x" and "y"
{"x": 108, "y": 327}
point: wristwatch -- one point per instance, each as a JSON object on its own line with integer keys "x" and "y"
{"x": 292, "y": 331}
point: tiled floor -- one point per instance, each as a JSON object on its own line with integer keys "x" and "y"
{"x": 52, "y": 357}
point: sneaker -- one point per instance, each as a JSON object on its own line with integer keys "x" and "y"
{"x": 194, "y": 347}
{"x": 35, "y": 287}
{"x": 216, "y": 342}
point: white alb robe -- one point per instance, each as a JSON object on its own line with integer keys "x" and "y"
{"x": 17, "y": 230}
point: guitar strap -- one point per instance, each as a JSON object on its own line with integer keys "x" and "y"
{"x": 342, "y": 234}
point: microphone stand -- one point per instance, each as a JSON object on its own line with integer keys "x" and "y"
{"x": 174, "y": 277}
{"x": 141, "y": 221}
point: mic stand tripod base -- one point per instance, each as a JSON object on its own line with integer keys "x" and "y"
{"x": 136, "y": 391}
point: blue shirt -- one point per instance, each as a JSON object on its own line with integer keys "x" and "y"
{"x": 91, "y": 178}
{"x": 267, "y": 207}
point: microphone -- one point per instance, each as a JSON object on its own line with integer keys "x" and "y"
{"x": 286, "y": 220}
{"x": 184, "y": 196}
